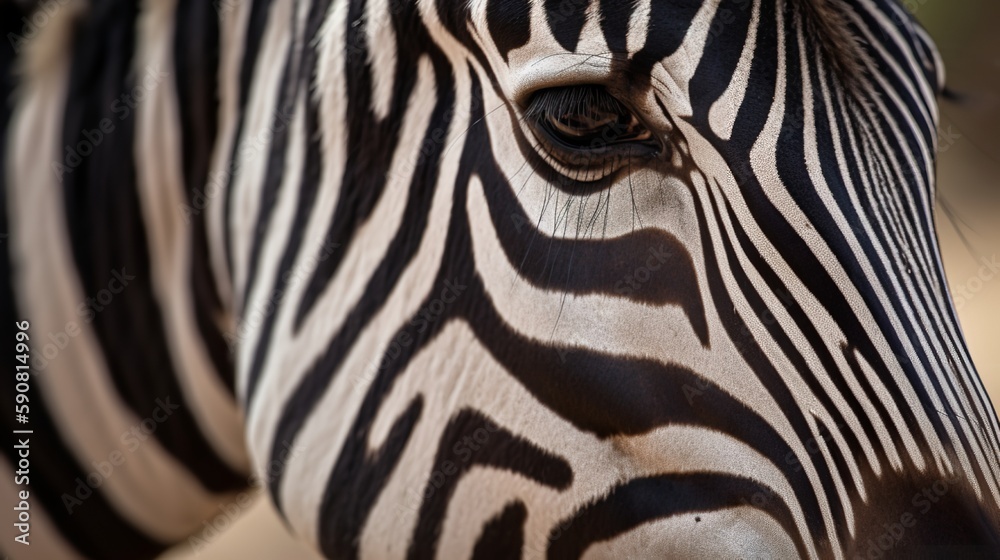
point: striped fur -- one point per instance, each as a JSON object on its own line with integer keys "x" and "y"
{"x": 351, "y": 242}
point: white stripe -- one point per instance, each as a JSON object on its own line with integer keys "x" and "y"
{"x": 722, "y": 115}
{"x": 638, "y": 25}
{"x": 381, "y": 39}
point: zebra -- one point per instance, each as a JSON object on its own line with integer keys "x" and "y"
{"x": 493, "y": 278}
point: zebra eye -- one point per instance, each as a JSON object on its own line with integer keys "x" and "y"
{"x": 582, "y": 128}
{"x": 589, "y": 125}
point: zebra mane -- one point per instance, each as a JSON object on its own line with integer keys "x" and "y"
{"x": 826, "y": 28}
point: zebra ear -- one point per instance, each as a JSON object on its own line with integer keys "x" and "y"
{"x": 826, "y": 28}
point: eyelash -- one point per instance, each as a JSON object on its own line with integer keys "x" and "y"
{"x": 583, "y": 129}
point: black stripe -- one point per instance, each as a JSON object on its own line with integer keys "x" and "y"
{"x": 840, "y": 466}
{"x": 308, "y": 189}
{"x": 615, "y": 16}
{"x": 502, "y": 536}
{"x": 509, "y": 24}
{"x": 729, "y": 31}
{"x": 792, "y": 170}
{"x": 906, "y": 362}
{"x": 890, "y": 67}
{"x": 669, "y": 23}
{"x": 566, "y": 19}
{"x": 647, "y": 499}
{"x": 794, "y": 355}
{"x": 913, "y": 514}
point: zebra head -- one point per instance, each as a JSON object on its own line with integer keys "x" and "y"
{"x": 678, "y": 255}
{"x": 500, "y": 278}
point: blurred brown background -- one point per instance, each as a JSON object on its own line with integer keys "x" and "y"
{"x": 968, "y": 168}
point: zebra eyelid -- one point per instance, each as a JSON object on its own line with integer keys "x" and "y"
{"x": 586, "y": 133}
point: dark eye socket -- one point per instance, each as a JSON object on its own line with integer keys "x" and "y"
{"x": 586, "y": 118}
